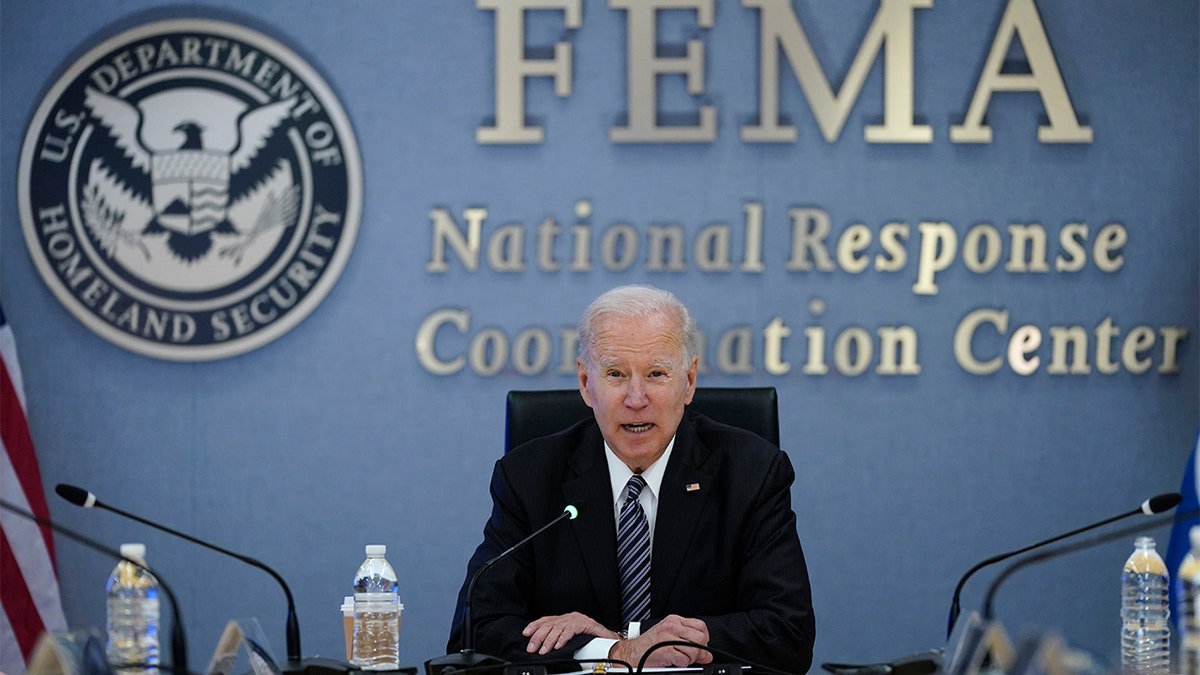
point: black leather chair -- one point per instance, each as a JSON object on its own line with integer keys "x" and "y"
{"x": 533, "y": 414}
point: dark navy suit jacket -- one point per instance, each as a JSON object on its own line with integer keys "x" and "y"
{"x": 725, "y": 550}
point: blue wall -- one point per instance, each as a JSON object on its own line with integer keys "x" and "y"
{"x": 338, "y": 434}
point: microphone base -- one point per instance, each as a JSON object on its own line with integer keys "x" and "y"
{"x": 317, "y": 666}
{"x": 923, "y": 663}
{"x": 464, "y": 660}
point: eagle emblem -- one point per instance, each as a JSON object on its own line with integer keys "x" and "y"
{"x": 186, "y": 179}
{"x": 198, "y": 204}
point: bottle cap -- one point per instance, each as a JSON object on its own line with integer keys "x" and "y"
{"x": 376, "y": 549}
{"x": 134, "y": 551}
{"x": 348, "y": 606}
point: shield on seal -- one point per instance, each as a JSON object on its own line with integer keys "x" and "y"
{"x": 190, "y": 190}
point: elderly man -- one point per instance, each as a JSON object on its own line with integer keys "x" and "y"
{"x": 685, "y": 533}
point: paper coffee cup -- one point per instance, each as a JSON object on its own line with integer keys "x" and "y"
{"x": 348, "y": 625}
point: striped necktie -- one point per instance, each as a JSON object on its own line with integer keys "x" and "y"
{"x": 633, "y": 554}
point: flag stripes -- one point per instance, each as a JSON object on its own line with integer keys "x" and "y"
{"x": 29, "y": 594}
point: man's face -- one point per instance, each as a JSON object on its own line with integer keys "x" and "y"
{"x": 638, "y": 385}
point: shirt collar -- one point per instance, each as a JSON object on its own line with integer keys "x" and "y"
{"x": 620, "y": 474}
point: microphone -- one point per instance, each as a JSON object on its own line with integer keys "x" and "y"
{"x": 178, "y": 639}
{"x": 295, "y": 662}
{"x": 1152, "y": 506}
{"x": 467, "y": 656}
{"x": 984, "y": 639}
{"x": 1059, "y": 551}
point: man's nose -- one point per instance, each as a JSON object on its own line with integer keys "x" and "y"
{"x": 635, "y": 395}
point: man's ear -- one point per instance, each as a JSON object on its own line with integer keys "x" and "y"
{"x": 691, "y": 380}
{"x": 583, "y": 382}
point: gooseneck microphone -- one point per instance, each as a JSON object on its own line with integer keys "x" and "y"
{"x": 467, "y": 657}
{"x": 1152, "y": 506}
{"x": 80, "y": 497}
{"x": 1059, "y": 551}
{"x": 178, "y": 639}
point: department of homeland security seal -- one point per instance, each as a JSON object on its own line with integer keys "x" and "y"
{"x": 190, "y": 189}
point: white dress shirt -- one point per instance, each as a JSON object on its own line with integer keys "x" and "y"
{"x": 619, "y": 474}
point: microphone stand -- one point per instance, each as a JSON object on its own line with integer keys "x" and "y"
{"x": 1064, "y": 550}
{"x": 467, "y": 657}
{"x": 178, "y": 639}
{"x": 1154, "y": 505}
{"x": 295, "y": 662}
{"x": 983, "y": 639}
{"x": 977, "y": 630}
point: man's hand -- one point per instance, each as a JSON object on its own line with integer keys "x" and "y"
{"x": 671, "y": 628}
{"x": 552, "y": 632}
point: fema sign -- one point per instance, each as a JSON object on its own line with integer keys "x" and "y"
{"x": 190, "y": 189}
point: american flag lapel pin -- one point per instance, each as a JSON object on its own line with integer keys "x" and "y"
{"x": 692, "y": 487}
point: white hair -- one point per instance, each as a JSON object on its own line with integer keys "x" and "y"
{"x": 637, "y": 301}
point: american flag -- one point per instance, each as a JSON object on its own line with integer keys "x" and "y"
{"x": 29, "y": 592}
{"x": 1181, "y": 543}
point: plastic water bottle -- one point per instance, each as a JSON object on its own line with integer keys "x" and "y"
{"x": 376, "y": 613}
{"x": 1188, "y": 601}
{"x": 132, "y": 615}
{"x": 1145, "y": 613}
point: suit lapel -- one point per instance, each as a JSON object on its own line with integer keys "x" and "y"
{"x": 685, "y": 489}
{"x": 596, "y": 528}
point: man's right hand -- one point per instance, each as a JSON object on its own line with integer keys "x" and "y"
{"x": 552, "y": 632}
{"x": 671, "y": 628}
